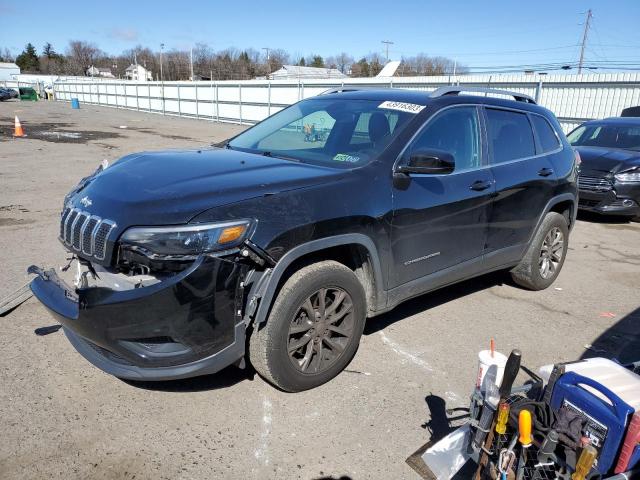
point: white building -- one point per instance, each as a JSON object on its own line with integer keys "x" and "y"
{"x": 93, "y": 71}
{"x": 138, "y": 73}
{"x": 8, "y": 70}
{"x": 292, "y": 72}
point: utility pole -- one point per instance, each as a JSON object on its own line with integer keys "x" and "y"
{"x": 584, "y": 39}
{"x": 387, "y": 43}
{"x": 161, "y": 48}
{"x": 191, "y": 60}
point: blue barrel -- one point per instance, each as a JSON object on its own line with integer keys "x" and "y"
{"x": 75, "y": 103}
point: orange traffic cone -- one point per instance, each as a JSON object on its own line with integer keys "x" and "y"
{"x": 19, "y": 132}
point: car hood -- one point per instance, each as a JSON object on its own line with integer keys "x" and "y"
{"x": 603, "y": 160}
{"x": 171, "y": 187}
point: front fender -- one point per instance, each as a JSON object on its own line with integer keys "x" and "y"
{"x": 262, "y": 293}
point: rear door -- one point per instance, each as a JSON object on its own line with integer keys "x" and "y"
{"x": 440, "y": 221}
{"x": 524, "y": 176}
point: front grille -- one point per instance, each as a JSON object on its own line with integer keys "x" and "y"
{"x": 85, "y": 233}
{"x": 594, "y": 184}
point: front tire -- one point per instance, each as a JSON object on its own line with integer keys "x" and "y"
{"x": 545, "y": 256}
{"x": 313, "y": 330}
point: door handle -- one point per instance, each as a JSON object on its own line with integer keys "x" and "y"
{"x": 545, "y": 172}
{"x": 480, "y": 185}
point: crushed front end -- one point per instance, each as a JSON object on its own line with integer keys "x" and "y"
{"x": 139, "y": 312}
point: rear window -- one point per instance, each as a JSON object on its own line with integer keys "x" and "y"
{"x": 510, "y": 135}
{"x": 546, "y": 134}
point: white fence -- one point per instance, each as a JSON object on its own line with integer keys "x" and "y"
{"x": 573, "y": 98}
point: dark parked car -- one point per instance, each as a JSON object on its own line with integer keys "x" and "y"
{"x": 609, "y": 179}
{"x": 7, "y": 94}
{"x": 284, "y": 247}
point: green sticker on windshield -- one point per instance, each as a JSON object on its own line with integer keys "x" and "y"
{"x": 343, "y": 157}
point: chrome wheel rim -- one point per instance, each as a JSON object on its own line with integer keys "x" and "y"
{"x": 320, "y": 330}
{"x": 551, "y": 253}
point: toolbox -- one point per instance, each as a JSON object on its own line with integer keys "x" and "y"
{"x": 607, "y": 395}
{"x": 583, "y": 423}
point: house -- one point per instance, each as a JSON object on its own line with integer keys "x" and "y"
{"x": 8, "y": 70}
{"x": 99, "y": 72}
{"x": 292, "y": 72}
{"x": 138, "y": 73}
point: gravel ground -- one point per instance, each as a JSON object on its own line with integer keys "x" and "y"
{"x": 62, "y": 418}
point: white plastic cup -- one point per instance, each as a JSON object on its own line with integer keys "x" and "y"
{"x": 485, "y": 363}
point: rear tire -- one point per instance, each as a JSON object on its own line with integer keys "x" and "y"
{"x": 313, "y": 330}
{"x": 545, "y": 256}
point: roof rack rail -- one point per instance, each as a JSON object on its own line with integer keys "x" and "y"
{"x": 457, "y": 89}
{"x": 346, "y": 88}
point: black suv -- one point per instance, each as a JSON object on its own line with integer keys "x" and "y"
{"x": 280, "y": 243}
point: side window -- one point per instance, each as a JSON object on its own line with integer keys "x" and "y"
{"x": 456, "y": 131}
{"x": 546, "y": 134}
{"x": 309, "y": 132}
{"x": 510, "y": 135}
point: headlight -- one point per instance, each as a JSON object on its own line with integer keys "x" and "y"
{"x": 629, "y": 176}
{"x": 189, "y": 240}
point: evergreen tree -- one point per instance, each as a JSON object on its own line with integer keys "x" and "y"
{"x": 28, "y": 59}
{"x": 361, "y": 68}
{"x": 317, "y": 61}
{"x": 302, "y": 63}
{"x": 49, "y": 52}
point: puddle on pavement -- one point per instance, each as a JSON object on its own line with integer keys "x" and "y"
{"x": 55, "y": 132}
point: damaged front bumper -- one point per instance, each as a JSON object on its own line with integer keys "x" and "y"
{"x": 184, "y": 325}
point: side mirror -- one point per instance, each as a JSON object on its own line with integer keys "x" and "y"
{"x": 434, "y": 162}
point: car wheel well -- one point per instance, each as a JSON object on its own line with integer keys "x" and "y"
{"x": 564, "y": 208}
{"x": 354, "y": 256}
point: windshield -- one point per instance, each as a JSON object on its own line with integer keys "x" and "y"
{"x": 332, "y": 132}
{"x": 611, "y": 136}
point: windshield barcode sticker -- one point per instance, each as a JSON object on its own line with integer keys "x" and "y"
{"x": 402, "y": 106}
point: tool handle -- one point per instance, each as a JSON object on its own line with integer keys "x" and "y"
{"x": 511, "y": 370}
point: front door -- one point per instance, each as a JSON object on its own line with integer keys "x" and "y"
{"x": 440, "y": 221}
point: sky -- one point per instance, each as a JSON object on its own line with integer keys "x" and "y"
{"x": 475, "y": 33}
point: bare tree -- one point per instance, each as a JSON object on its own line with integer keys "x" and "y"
{"x": 422, "y": 64}
{"x": 277, "y": 58}
{"x": 176, "y": 65}
{"x": 80, "y": 56}
{"x": 142, "y": 55}
{"x": 343, "y": 62}
{"x": 6, "y": 56}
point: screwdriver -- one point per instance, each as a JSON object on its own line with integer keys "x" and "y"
{"x": 524, "y": 427}
{"x": 585, "y": 462}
